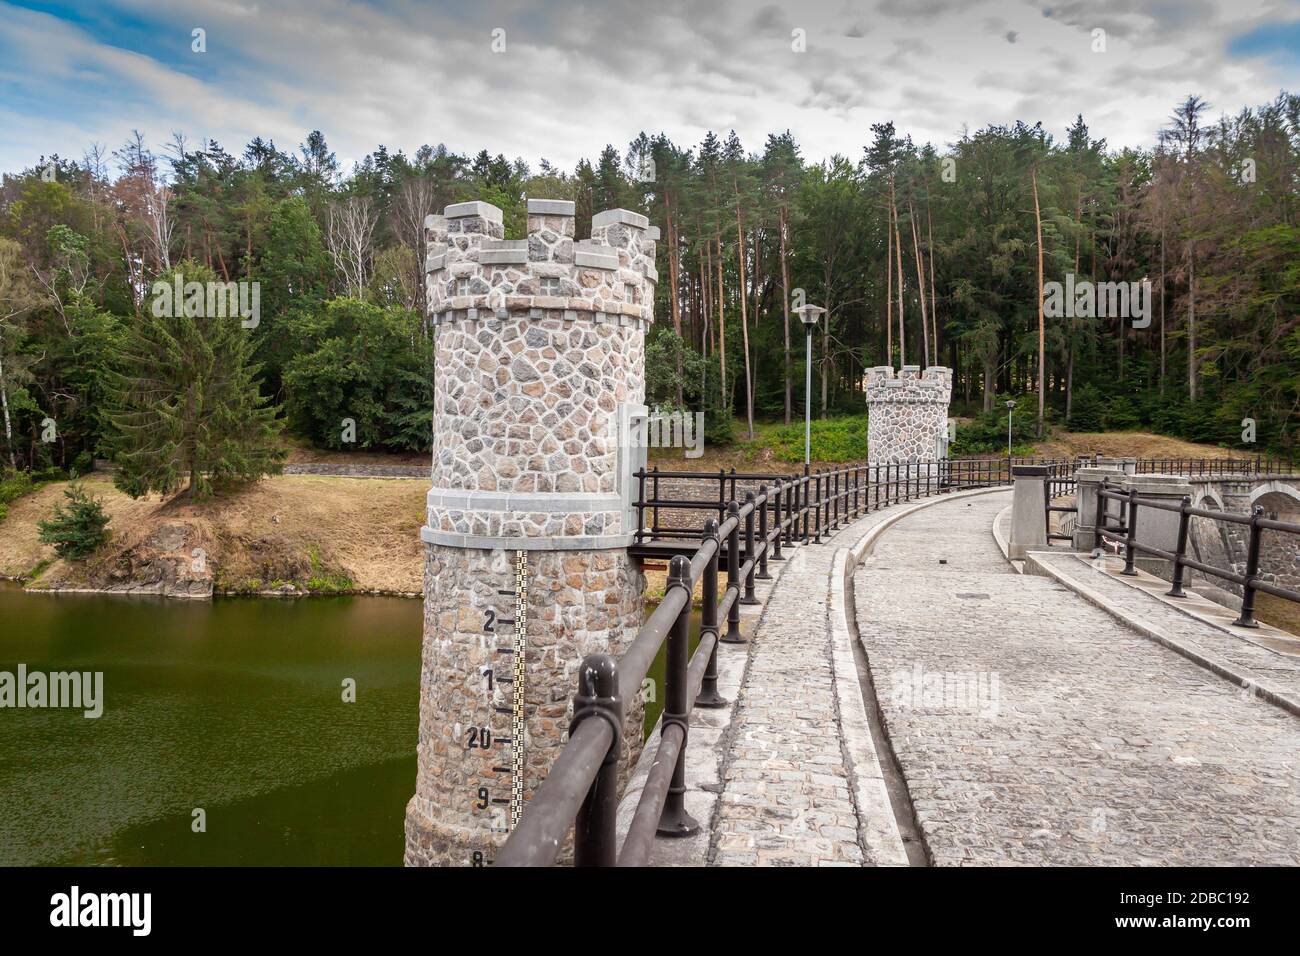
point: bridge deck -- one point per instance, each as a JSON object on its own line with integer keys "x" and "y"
{"x": 1033, "y": 727}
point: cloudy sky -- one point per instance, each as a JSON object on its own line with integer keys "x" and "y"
{"x": 567, "y": 78}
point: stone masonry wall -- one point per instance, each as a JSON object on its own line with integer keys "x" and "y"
{"x": 559, "y": 384}
{"x": 580, "y": 603}
{"x": 907, "y": 413}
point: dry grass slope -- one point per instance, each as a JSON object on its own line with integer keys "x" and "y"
{"x": 280, "y": 531}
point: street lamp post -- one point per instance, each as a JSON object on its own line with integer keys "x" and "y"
{"x": 809, "y": 315}
{"x": 1010, "y": 405}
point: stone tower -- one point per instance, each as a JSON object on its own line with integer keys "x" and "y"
{"x": 540, "y": 355}
{"x": 907, "y": 414}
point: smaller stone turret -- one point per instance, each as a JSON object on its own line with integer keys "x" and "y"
{"x": 907, "y": 413}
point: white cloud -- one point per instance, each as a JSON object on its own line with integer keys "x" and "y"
{"x": 576, "y": 77}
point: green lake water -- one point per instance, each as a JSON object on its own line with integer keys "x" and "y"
{"x": 233, "y": 706}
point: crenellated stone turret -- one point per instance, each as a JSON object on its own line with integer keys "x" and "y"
{"x": 539, "y": 360}
{"x": 907, "y": 413}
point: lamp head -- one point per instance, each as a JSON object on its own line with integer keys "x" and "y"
{"x": 1010, "y": 404}
{"x": 810, "y": 315}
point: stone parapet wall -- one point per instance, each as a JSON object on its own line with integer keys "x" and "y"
{"x": 360, "y": 470}
{"x": 907, "y": 413}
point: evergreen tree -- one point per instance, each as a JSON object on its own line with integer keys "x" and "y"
{"x": 184, "y": 401}
{"x": 77, "y": 532}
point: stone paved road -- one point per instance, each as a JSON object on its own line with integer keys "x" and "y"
{"x": 1033, "y": 728}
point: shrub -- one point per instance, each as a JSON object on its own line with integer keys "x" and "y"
{"x": 1121, "y": 414}
{"x": 79, "y": 530}
{"x": 83, "y": 464}
{"x": 832, "y": 439}
{"x": 986, "y": 434}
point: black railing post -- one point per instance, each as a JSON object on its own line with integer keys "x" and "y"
{"x": 708, "y": 695}
{"x": 674, "y": 821}
{"x": 817, "y": 510}
{"x": 1180, "y": 551}
{"x": 807, "y": 501}
{"x": 640, "y": 504}
{"x": 763, "y": 544}
{"x": 733, "y": 635}
{"x": 836, "y": 522}
{"x": 1129, "y": 550}
{"x": 594, "y": 829}
{"x": 824, "y": 515}
{"x": 1247, "y": 618}
{"x": 790, "y": 501}
{"x": 749, "y": 549}
{"x": 1098, "y": 540}
{"x": 722, "y": 496}
{"x": 778, "y": 519}
{"x": 819, "y": 507}
{"x": 654, "y": 512}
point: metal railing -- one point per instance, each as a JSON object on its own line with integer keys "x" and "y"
{"x": 743, "y": 532}
{"x": 1058, "y": 486}
{"x": 884, "y": 483}
{"x": 1217, "y": 467}
{"x": 581, "y": 788}
{"x": 1125, "y": 533}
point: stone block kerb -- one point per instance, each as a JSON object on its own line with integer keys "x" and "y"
{"x": 474, "y": 273}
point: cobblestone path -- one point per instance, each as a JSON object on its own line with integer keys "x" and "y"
{"x": 787, "y": 798}
{"x": 1034, "y": 728}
